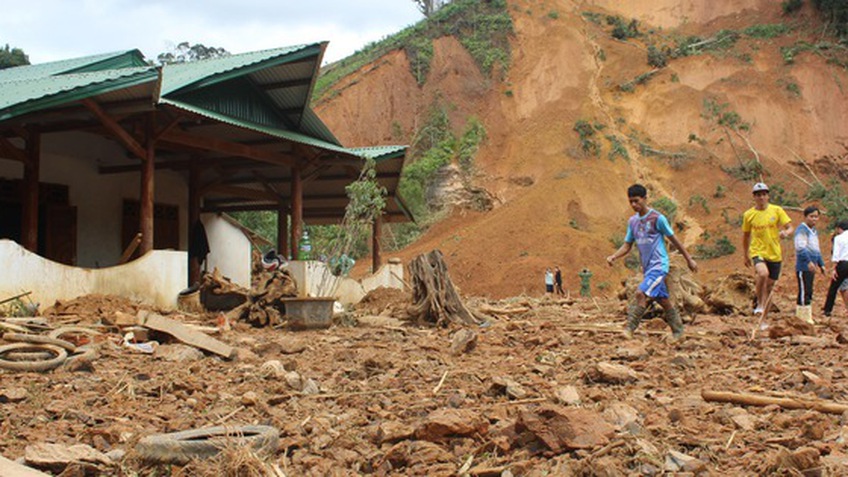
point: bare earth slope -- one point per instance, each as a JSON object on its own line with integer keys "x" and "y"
{"x": 566, "y": 68}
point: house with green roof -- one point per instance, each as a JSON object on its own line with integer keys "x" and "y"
{"x": 107, "y": 157}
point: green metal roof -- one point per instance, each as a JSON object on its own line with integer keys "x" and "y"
{"x": 379, "y": 153}
{"x": 117, "y": 59}
{"x": 27, "y": 95}
{"x": 274, "y": 132}
{"x": 178, "y": 76}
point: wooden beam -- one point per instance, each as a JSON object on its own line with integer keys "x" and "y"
{"x": 296, "y": 211}
{"x": 376, "y": 236}
{"x": 226, "y": 147}
{"x": 282, "y": 229}
{"x": 173, "y": 165}
{"x": 146, "y": 201}
{"x": 32, "y": 171}
{"x": 241, "y": 192}
{"x": 286, "y": 84}
{"x": 194, "y": 200}
{"x": 10, "y": 151}
{"x": 116, "y": 129}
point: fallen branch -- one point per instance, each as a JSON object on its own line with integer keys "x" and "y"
{"x": 827, "y": 407}
{"x": 15, "y": 297}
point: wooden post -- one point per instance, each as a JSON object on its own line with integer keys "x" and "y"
{"x": 282, "y": 229}
{"x": 296, "y": 211}
{"x": 29, "y": 216}
{"x": 376, "y": 235}
{"x": 146, "y": 200}
{"x": 193, "y": 217}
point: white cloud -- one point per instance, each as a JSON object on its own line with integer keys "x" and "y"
{"x": 50, "y": 30}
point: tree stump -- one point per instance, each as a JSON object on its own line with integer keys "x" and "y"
{"x": 435, "y": 300}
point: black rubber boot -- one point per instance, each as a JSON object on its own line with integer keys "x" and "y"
{"x": 634, "y": 317}
{"x": 674, "y": 321}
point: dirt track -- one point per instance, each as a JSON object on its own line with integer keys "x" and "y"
{"x": 393, "y": 400}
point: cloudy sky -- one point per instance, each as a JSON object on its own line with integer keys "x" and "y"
{"x": 50, "y": 30}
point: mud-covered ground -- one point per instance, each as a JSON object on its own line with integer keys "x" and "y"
{"x": 550, "y": 388}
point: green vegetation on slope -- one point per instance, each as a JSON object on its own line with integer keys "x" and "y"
{"x": 483, "y": 27}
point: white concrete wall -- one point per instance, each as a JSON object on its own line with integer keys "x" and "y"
{"x": 229, "y": 249}
{"x": 315, "y": 280}
{"x": 154, "y": 279}
{"x": 72, "y": 159}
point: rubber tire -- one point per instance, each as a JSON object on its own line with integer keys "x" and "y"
{"x": 39, "y": 339}
{"x": 181, "y": 447}
{"x": 46, "y": 365}
{"x": 73, "y": 329}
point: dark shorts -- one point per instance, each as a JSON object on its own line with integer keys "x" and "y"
{"x": 549, "y": 288}
{"x": 773, "y": 267}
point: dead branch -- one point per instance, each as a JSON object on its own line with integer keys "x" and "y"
{"x": 827, "y": 407}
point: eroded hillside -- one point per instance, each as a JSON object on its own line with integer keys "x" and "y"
{"x": 695, "y": 130}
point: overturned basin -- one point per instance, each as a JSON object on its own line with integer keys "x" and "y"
{"x": 307, "y": 313}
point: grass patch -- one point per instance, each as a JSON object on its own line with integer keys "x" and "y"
{"x": 586, "y": 132}
{"x": 667, "y": 206}
{"x": 718, "y": 248}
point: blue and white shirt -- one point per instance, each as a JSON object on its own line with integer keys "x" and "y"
{"x": 648, "y": 232}
{"x": 807, "y": 249}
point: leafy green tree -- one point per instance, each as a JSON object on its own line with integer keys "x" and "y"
{"x": 836, "y": 12}
{"x": 186, "y": 52}
{"x": 10, "y": 57}
{"x": 429, "y": 7}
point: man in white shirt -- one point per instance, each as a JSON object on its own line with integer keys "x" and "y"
{"x": 840, "y": 265}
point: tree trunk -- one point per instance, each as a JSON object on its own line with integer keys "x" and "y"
{"x": 434, "y": 297}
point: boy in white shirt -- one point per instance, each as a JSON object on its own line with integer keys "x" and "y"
{"x": 840, "y": 265}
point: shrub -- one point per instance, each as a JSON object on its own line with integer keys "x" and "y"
{"x": 586, "y": 132}
{"x": 667, "y": 206}
{"x": 656, "y": 57}
{"x": 719, "y": 248}
{"x": 791, "y": 6}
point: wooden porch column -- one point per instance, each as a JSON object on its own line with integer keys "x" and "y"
{"x": 282, "y": 229}
{"x": 376, "y": 235}
{"x": 193, "y": 217}
{"x": 147, "y": 190}
{"x": 29, "y": 216}
{"x": 296, "y": 211}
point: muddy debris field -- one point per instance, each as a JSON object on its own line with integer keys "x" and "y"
{"x": 545, "y": 387}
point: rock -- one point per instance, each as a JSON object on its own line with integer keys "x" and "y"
{"x": 502, "y": 385}
{"x": 310, "y": 387}
{"x": 444, "y": 423}
{"x": 563, "y": 429}
{"x": 791, "y": 326}
{"x": 742, "y": 419}
{"x": 292, "y": 346}
{"x": 631, "y": 351}
{"x": 12, "y": 395}
{"x": 621, "y": 415}
{"x": 463, "y": 341}
{"x": 393, "y": 431}
{"x": 678, "y": 461}
{"x": 116, "y": 455}
{"x": 294, "y": 380}
{"x": 806, "y": 460}
{"x": 57, "y": 456}
{"x": 272, "y": 369}
{"x": 567, "y": 395}
{"x": 604, "y": 372}
{"x": 249, "y": 398}
{"x": 178, "y": 353}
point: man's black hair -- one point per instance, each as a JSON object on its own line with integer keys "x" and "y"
{"x": 809, "y": 210}
{"x": 637, "y": 190}
{"x": 842, "y": 224}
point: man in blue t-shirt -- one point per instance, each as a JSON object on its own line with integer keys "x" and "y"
{"x": 647, "y": 229}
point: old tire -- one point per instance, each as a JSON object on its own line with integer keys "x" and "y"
{"x": 39, "y": 339}
{"x": 77, "y": 330}
{"x": 42, "y": 365}
{"x": 181, "y": 447}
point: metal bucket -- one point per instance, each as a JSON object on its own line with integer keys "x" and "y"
{"x": 308, "y": 313}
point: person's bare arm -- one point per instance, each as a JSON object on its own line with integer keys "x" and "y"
{"x": 690, "y": 262}
{"x": 746, "y": 242}
{"x": 622, "y": 251}
{"x": 787, "y": 230}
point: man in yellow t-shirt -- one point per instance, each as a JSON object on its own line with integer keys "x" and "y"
{"x": 762, "y": 228}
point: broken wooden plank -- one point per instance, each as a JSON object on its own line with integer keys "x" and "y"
{"x": 185, "y": 334}
{"x": 828, "y": 407}
{"x": 10, "y": 468}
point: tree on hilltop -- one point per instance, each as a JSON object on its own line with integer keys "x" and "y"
{"x": 186, "y": 52}
{"x": 10, "y": 57}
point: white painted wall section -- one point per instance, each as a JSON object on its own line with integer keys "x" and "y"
{"x": 229, "y": 249}
{"x": 314, "y": 279}
{"x": 154, "y": 279}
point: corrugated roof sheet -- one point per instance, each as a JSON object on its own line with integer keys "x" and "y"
{"x": 177, "y": 76}
{"x": 52, "y": 68}
{"x": 25, "y": 95}
{"x": 280, "y": 133}
{"x": 378, "y": 153}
